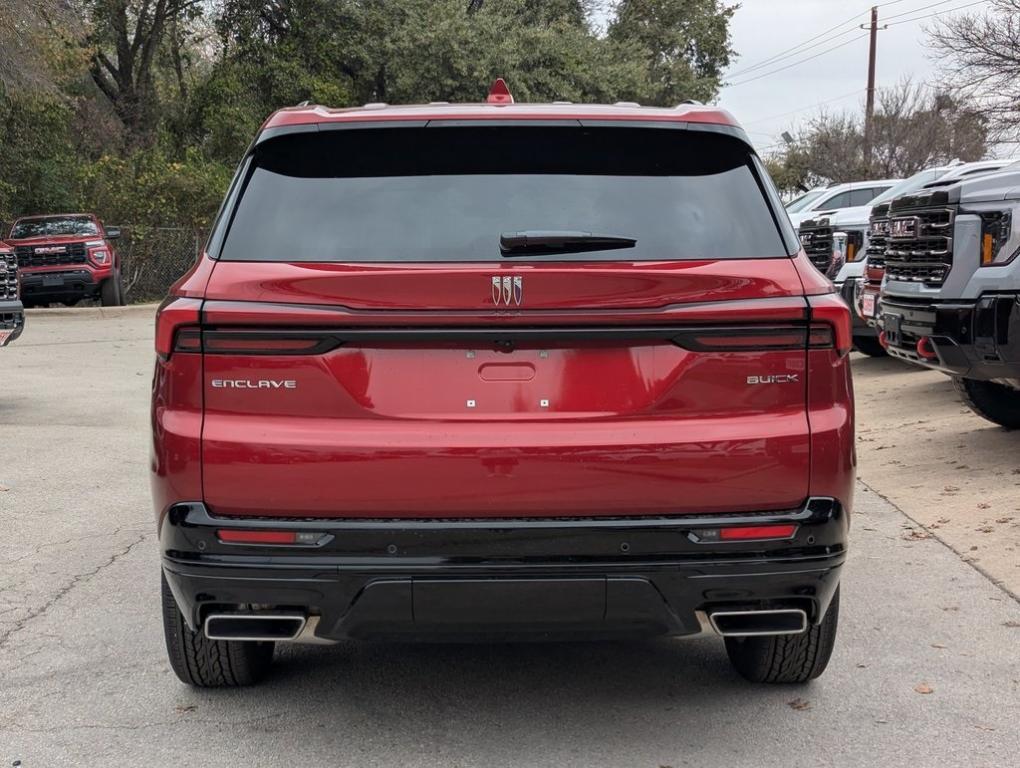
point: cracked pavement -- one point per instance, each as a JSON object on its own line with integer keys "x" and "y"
{"x": 84, "y": 678}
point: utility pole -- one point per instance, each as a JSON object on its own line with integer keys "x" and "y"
{"x": 869, "y": 110}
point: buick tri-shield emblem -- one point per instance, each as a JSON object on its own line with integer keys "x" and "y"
{"x": 507, "y": 290}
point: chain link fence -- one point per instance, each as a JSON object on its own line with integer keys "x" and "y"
{"x": 152, "y": 258}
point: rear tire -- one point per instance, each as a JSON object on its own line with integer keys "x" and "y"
{"x": 206, "y": 663}
{"x": 786, "y": 658}
{"x": 996, "y": 402}
{"x": 869, "y": 345}
{"x": 111, "y": 292}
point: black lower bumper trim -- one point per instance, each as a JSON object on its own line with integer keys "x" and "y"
{"x": 440, "y": 579}
{"x": 64, "y": 282}
{"x": 12, "y": 321}
{"x": 974, "y": 339}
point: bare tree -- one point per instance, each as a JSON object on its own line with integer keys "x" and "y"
{"x": 914, "y": 128}
{"x": 980, "y": 59}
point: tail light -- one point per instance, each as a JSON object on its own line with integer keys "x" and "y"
{"x": 830, "y": 311}
{"x": 756, "y": 338}
{"x": 177, "y": 320}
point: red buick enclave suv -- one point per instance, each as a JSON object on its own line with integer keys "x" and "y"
{"x": 500, "y": 371}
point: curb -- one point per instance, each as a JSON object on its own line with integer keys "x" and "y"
{"x": 93, "y": 312}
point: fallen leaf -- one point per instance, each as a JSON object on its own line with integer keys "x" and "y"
{"x": 937, "y": 645}
{"x": 924, "y": 688}
{"x": 187, "y": 708}
{"x": 4, "y": 487}
{"x": 915, "y": 534}
{"x": 984, "y": 505}
{"x": 799, "y": 704}
{"x": 1011, "y": 624}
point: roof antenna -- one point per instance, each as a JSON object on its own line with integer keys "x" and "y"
{"x": 499, "y": 93}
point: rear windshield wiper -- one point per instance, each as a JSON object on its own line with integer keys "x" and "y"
{"x": 535, "y": 241}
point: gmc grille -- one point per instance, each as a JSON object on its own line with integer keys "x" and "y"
{"x": 29, "y": 256}
{"x": 920, "y": 246}
{"x": 8, "y": 277}
{"x": 816, "y": 239}
{"x": 878, "y": 241}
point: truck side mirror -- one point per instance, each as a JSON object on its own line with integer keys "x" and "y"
{"x": 112, "y": 233}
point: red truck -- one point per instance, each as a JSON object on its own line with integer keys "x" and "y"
{"x": 12, "y": 313}
{"x": 65, "y": 258}
{"x": 498, "y": 371}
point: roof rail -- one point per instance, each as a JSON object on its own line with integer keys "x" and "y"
{"x": 304, "y": 103}
{"x": 695, "y": 102}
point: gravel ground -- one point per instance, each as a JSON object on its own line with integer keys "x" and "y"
{"x": 926, "y": 668}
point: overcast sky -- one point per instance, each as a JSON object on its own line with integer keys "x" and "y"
{"x": 762, "y": 29}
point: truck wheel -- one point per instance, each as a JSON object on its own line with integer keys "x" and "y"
{"x": 111, "y": 292}
{"x": 206, "y": 663}
{"x": 869, "y": 346}
{"x": 996, "y": 402}
{"x": 786, "y": 658}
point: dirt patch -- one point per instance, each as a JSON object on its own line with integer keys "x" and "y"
{"x": 953, "y": 472}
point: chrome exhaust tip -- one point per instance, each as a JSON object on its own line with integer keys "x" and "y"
{"x": 253, "y": 627}
{"x": 780, "y": 621}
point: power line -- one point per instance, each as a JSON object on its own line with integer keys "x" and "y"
{"x": 847, "y": 42}
{"x": 938, "y": 13}
{"x": 916, "y": 10}
{"x": 809, "y": 106}
{"x": 798, "y": 62}
{"x": 799, "y": 48}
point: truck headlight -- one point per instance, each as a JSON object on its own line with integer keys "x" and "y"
{"x": 996, "y": 228}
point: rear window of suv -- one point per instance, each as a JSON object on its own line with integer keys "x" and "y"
{"x": 446, "y": 194}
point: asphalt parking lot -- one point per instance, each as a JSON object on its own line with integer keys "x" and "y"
{"x": 926, "y": 669}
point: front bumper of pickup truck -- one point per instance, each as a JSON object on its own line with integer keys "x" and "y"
{"x": 62, "y": 282}
{"x": 848, "y": 291}
{"x": 12, "y": 321}
{"x": 507, "y": 578}
{"x": 976, "y": 339}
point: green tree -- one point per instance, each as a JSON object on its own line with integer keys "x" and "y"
{"x": 37, "y": 153}
{"x": 684, "y": 45}
{"x": 124, "y": 38}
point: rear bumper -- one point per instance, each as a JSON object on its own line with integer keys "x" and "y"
{"x": 977, "y": 339}
{"x": 457, "y": 579}
{"x": 12, "y": 321}
{"x": 62, "y": 282}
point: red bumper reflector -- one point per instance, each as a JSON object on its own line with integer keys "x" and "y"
{"x": 256, "y": 537}
{"x": 782, "y": 531}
